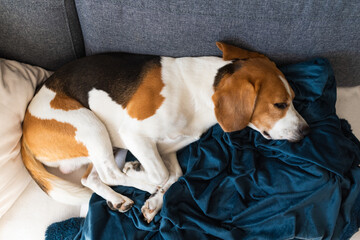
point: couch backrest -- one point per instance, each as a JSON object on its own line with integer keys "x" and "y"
{"x": 43, "y": 33}
{"x": 286, "y": 31}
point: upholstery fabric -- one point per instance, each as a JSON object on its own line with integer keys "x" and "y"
{"x": 32, "y": 213}
{"x": 25, "y": 210}
{"x": 42, "y": 33}
{"x": 17, "y": 86}
{"x": 287, "y": 31}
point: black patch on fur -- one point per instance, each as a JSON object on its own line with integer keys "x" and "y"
{"x": 118, "y": 74}
{"x": 227, "y": 69}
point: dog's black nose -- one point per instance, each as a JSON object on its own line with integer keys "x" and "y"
{"x": 305, "y": 130}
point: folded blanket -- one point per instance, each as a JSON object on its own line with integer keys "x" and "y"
{"x": 241, "y": 186}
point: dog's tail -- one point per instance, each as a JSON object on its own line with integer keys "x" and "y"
{"x": 57, "y": 188}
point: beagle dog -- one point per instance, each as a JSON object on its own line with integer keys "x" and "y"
{"x": 151, "y": 106}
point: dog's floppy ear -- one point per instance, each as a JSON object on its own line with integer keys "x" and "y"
{"x": 234, "y": 103}
{"x": 231, "y": 52}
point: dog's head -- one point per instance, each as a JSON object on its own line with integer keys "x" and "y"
{"x": 252, "y": 91}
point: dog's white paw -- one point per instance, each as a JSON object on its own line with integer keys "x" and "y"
{"x": 152, "y": 206}
{"x": 122, "y": 204}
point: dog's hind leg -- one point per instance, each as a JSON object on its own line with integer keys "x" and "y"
{"x": 91, "y": 132}
{"x": 59, "y": 130}
{"x": 114, "y": 200}
{"x": 108, "y": 171}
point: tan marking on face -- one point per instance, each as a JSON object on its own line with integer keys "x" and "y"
{"x": 147, "y": 98}
{"x": 50, "y": 140}
{"x": 268, "y": 89}
{"x": 271, "y": 90}
{"x": 36, "y": 169}
{"x": 63, "y": 102}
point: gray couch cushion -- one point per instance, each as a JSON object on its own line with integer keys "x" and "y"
{"x": 43, "y": 33}
{"x": 285, "y": 31}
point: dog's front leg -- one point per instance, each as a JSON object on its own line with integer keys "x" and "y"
{"x": 153, "y": 205}
{"x": 145, "y": 150}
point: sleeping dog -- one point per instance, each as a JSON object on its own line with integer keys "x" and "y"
{"x": 152, "y": 106}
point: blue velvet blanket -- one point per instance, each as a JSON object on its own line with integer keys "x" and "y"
{"x": 241, "y": 186}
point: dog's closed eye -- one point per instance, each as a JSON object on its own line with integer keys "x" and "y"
{"x": 281, "y": 105}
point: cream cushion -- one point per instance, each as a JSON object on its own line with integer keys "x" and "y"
{"x": 17, "y": 86}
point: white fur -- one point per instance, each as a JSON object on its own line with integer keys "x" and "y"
{"x": 90, "y": 131}
{"x": 251, "y": 125}
{"x": 66, "y": 165}
{"x": 94, "y": 182}
{"x": 186, "y": 111}
{"x": 69, "y": 193}
{"x": 286, "y": 84}
{"x": 183, "y": 116}
{"x": 81, "y": 119}
{"x": 288, "y": 126}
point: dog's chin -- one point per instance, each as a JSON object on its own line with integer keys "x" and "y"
{"x": 293, "y": 138}
{"x": 288, "y": 135}
{"x": 299, "y": 134}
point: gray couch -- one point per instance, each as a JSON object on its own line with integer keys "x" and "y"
{"x": 51, "y": 33}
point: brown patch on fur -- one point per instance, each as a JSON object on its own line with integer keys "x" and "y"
{"x": 272, "y": 91}
{"x": 117, "y": 74}
{"x": 249, "y": 95}
{"x": 36, "y": 169}
{"x": 231, "y": 52}
{"x": 234, "y": 103}
{"x": 147, "y": 98}
{"x": 63, "y": 102}
{"x": 50, "y": 140}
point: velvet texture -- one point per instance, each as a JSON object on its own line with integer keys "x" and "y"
{"x": 65, "y": 230}
{"x": 241, "y": 186}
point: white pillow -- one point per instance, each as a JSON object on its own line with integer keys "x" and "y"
{"x": 17, "y": 87}
{"x": 347, "y": 106}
